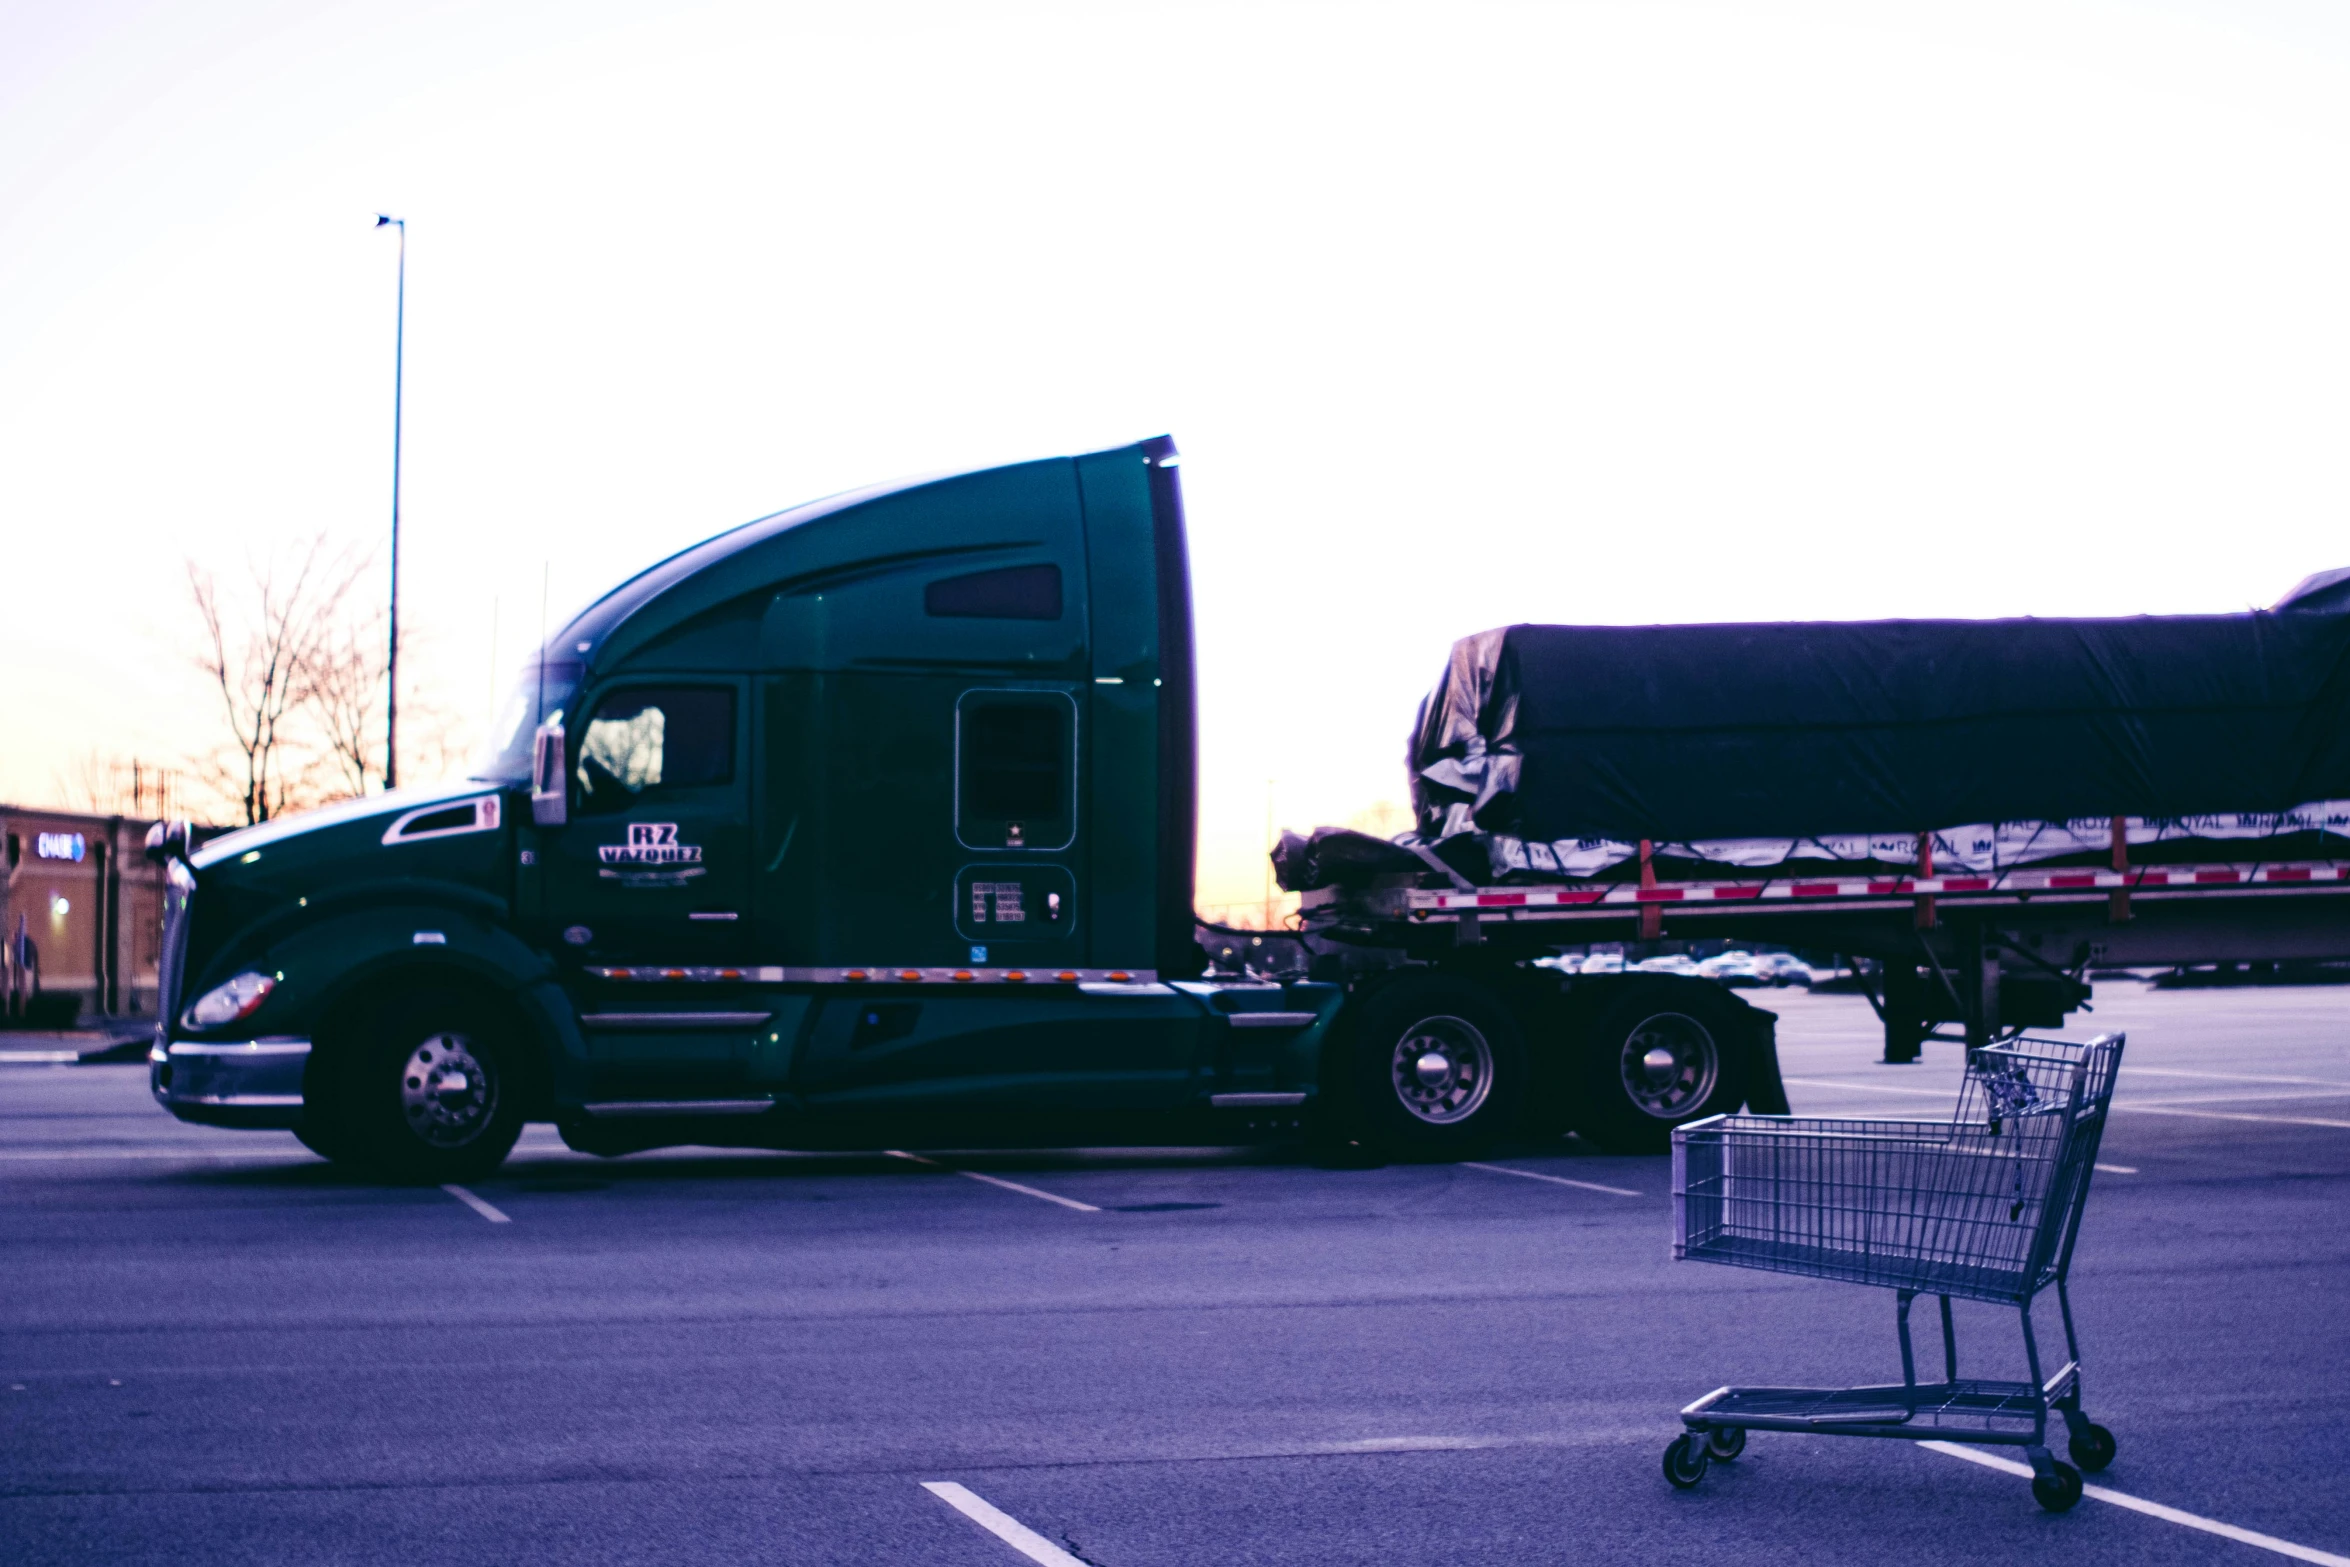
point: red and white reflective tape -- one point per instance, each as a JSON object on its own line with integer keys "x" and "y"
{"x": 771, "y": 974}
{"x": 1883, "y": 887}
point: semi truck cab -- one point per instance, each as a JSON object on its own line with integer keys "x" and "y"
{"x": 870, "y": 821}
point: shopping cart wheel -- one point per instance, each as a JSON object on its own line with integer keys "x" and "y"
{"x": 1726, "y": 1442}
{"x": 2092, "y": 1449}
{"x": 2059, "y": 1489}
{"x": 1685, "y": 1460}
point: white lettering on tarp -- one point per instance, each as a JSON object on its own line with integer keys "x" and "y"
{"x": 650, "y": 843}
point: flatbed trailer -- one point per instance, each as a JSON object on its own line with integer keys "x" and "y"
{"x": 1993, "y": 953}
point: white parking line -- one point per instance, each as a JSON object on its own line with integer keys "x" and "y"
{"x": 1555, "y": 1180}
{"x": 39, "y": 1156}
{"x": 1010, "y": 1186}
{"x": 2137, "y": 1504}
{"x": 2158, "y": 1107}
{"x": 2266, "y": 1096}
{"x": 477, "y": 1205}
{"x": 2227, "y": 1115}
{"x": 1882, "y": 1088}
{"x": 2236, "y": 1077}
{"x": 2119, "y": 1169}
{"x": 1001, "y": 1524}
{"x": 38, "y": 1057}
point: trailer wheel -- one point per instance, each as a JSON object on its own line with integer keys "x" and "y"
{"x": 424, "y": 1091}
{"x": 1658, "y": 1058}
{"x": 1439, "y": 1067}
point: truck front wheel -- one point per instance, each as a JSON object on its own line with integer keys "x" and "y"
{"x": 1658, "y": 1058}
{"x": 1438, "y": 1067}
{"x": 424, "y": 1091}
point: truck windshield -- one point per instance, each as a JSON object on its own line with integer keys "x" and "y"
{"x": 528, "y": 704}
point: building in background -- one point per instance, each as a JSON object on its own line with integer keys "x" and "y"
{"x": 81, "y": 918}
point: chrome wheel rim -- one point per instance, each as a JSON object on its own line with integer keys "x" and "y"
{"x": 1671, "y": 1066}
{"x": 447, "y": 1095}
{"x": 1442, "y": 1070}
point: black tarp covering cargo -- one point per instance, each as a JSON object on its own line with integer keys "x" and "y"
{"x": 1785, "y": 730}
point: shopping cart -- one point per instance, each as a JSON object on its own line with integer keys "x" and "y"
{"x": 1983, "y": 1207}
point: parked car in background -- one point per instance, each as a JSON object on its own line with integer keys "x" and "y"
{"x": 1670, "y": 963}
{"x": 1734, "y": 968}
{"x": 1584, "y": 963}
{"x": 1782, "y": 968}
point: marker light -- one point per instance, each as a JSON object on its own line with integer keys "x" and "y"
{"x": 228, "y": 1003}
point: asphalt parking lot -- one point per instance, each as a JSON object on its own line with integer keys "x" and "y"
{"x": 216, "y": 1349}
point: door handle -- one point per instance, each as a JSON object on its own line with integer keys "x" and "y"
{"x": 712, "y": 914}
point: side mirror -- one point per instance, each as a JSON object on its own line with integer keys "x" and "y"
{"x": 167, "y": 841}
{"x": 549, "y": 788}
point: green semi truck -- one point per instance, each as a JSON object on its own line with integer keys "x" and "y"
{"x": 868, "y": 823}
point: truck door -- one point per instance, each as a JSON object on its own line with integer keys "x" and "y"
{"x": 974, "y": 791}
{"x": 652, "y": 868}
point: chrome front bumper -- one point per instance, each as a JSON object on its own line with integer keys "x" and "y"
{"x": 251, "y": 1082}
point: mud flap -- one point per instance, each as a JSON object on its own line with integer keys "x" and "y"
{"x": 1765, "y": 1093}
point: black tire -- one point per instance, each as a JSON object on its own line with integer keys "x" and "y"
{"x": 1725, "y": 1443}
{"x": 1436, "y": 1067}
{"x": 2092, "y": 1448}
{"x": 2057, "y": 1491}
{"x": 1686, "y": 1459}
{"x": 1657, "y": 1057}
{"x": 423, "y": 1089}
{"x": 318, "y": 1135}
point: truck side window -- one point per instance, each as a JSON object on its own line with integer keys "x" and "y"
{"x": 1015, "y": 769}
{"x": 1010, "y": 593}
{"x": 655, "y": 737}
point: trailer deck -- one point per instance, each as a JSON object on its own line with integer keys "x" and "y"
{"x": 1849, "y": 893}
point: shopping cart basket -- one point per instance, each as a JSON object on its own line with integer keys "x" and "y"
{"x": 1982, "y": 1207}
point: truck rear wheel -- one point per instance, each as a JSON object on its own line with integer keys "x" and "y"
{"x": 1438, "y": 1067}
{"x": 1659, "y": 1057}
{"x": 424, "y": 1091}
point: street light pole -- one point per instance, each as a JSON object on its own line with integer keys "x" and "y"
{"x": 399, "y": 369}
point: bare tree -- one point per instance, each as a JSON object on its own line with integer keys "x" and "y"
{"x": 346, "y": 697}
{"x": 345, "y": 709}
{"x": 265, "y": 654}
{"x": 106, "y": 784}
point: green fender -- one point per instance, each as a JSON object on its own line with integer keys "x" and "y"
{"x": 323, "y": 965}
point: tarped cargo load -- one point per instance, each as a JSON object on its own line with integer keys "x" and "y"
{"x": 1342, "y": 857}
{"x": 1566, "y": 739}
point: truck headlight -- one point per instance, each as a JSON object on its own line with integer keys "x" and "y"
{"x": 227, "y": 1003}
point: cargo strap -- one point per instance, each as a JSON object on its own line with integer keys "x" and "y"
{"x": 1460, "y": 883}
